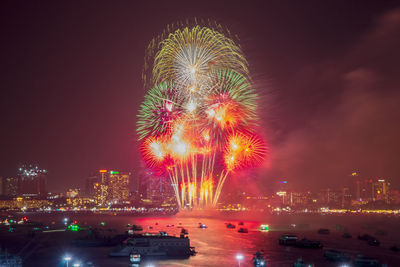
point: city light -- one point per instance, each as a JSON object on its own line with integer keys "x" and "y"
{"x": 67, "y": 259}
{"x": 102, "y": 171}
{"x": 239, "y": 257}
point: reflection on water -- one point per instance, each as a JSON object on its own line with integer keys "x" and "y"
{"x": 218, "y": 245}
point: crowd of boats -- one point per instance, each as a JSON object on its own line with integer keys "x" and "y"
{"x": 332, "y": 254}
{"x": 136, "y": 244}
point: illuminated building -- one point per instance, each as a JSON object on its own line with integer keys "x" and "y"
{"x": 31, "y": 181}
{"x": 300, "y": 198}
{"x": 156, "y": 190}
{"x": 364, "y": 190}
{"x": 284, "y": 193}
{"x": 381, "y": 190}
{"x": 10, "y": 186}
{"x": 100, "y": 194}
{"x": 81, "y": 201}
{"x": 89, "y": 185}
{"x": 24, "y": 203}
{"x": 1, "y": 186}
{"x": 331, "y": 197}
{"x": 71, "y": 193}
{"x": 346, "y": 197}
{"x": 118, "y": 186}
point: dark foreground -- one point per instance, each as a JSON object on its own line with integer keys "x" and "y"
{"x": 216, "y": 245}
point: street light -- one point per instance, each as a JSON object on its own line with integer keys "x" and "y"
{"x": 67, "y": 259}
{"x": 76, "y": 264}
{"x": 239, "y": 257}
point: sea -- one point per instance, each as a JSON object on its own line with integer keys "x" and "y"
{"x": 217, "y": 245}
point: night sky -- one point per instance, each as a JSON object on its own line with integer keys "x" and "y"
{"x": 328, "y": 75}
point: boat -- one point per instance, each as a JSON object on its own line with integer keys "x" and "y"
{"x": 202, "y": 226}
{"x": 258, "y": 260}
{"x": 301, "y": 263}
{"x": 306, "y": 243}
{"x": 243, "y": 230}
{"x": 373, "y": 242}
{"x": 264, "y": 227}
{"x": 155, "y": 245}
{"x": 288, "y": 240}
{"x": 324, "y": 231}
{"x": 240, "y": 223}
{"x": 230, "y": 226}
{"x": 362, "y": 261}
{"x": 335, "y": 255}
{"x": 134, "y": 258}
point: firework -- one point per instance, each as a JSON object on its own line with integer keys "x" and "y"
{"x": 160, "y": 108}
{"x": 189, "y": 56}
{"x": 196, "y": 113}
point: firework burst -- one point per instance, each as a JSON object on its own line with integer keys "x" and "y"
{"x": 195, "y": 114}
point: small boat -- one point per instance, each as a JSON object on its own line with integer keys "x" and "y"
{"x": 373, "y": 242}
{"x": 134, "y": 258}
{"x": 335, "y": 255}
{"x": 243, "y": 230}
{"x": 288, "y": 240}
{"x": 324, "y": 231}
{"x": 258, "y": 260}
{"x": 306, "y": 243}
{"x": 362, "y": 261}
{"x": 202, "y": 226}
{"x": 231, "y": 226}
{"x": 264, "y": 227}
{"x": 240, "y": 223}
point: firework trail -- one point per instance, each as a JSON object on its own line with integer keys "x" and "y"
{"x": 200, "y": 111}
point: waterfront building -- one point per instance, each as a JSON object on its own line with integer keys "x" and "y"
{"x": 31, "y": 181}
{"x": 381, "y": 190}
{"x": 346, "y": 197}
{"x": 118, "y": 186}
{"x": 10, "y": 186}
{"x": 100, "y": 194}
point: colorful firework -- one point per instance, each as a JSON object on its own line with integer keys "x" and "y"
{"x": 196, "y": 112}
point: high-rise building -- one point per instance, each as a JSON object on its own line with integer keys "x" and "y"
{"x": 100, "y": 194}
{"x": 109, "y": 187}
{"x": 118, "y": 186}
{"x": 364, "y": 190}
{"x": 381, "y": 190}
{"x": 331, "y": 197}
{"x": 300, "y": 198}
{"x": 10, "y": 186}
{"x": 89, "y": 185}
{"x": 31, "y": 181}
{"x": 346, "y": 197}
